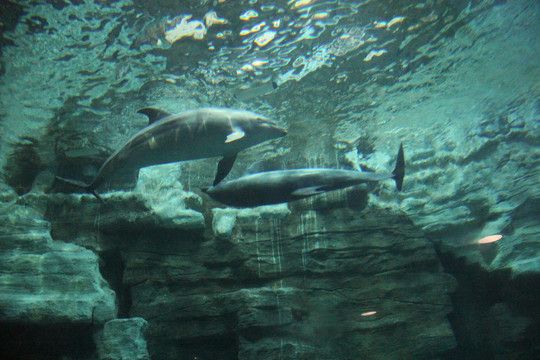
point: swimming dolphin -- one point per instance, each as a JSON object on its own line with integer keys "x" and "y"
{"x": 274, "y": 187}
{"x": 189, "y": 135}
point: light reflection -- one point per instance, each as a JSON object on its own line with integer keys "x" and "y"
{"x": 250, "y": 14}
{"x": 374, "y": 53}
{"x": 211, "y": 18}
{"x": 257, "y": 63}
{"x": 288, "y": 30}
{"x": 185, "y": 27}
{"x": 394, "y": 21}
{"x": 320, "y": 16}
{"x": 301, "y": 3}
{"x": 263, "y": 39}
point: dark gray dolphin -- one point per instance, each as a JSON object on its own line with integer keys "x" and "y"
{"x": 274, "y": 187}
{"x": 189, "y": 135}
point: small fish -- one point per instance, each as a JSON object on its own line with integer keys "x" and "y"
{"x": 489, "y": 239}
{"x": 368, "y": 313}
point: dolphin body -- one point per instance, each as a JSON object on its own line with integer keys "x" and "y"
{"x": 190, "y": 135}
{"x": 280, "y": 186}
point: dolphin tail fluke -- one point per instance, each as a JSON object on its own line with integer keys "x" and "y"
{"x": 81, "y": 185}
{"x": 399, "y": 170}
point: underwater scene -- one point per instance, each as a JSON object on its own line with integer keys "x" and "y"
{"x": 269, "y": 179}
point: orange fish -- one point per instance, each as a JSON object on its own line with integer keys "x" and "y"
{"x": 368, "y": 313}
{"x": 489, "y": 239}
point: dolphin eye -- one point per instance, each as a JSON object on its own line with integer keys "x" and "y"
{"x": 263, "y": 119}
{"x": 266, "y": 122}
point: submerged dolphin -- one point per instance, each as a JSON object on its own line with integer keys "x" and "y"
{"x": 274, "y": 187}
{"x": 189, "y": 135}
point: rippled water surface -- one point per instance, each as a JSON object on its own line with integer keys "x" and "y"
{"x": 95, "y": 54}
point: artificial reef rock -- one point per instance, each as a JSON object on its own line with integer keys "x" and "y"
{"x": 122, "y": 339}
{"x": 52, "y": 293}
{"x": 269, "y": 283}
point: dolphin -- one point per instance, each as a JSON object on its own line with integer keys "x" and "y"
{"x": 280, "y": 186}
{"x": 190, "y": 135}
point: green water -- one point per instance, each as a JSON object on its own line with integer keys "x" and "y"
{"x": 355, "y": 270}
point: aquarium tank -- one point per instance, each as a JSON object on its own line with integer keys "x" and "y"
{"x": 269, "y": 179}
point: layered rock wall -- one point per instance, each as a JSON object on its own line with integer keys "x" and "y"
{"x": 269, "y": 283}
{"x": 52, "y": 293}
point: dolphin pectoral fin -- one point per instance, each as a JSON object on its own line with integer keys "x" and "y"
{"x": 75, "y": 183}
{"x": 237, "y": 134}
{"x": 81, "y": 185}
{"x": 93, "y": 192}
{"x": 224, "y": 167}
{"x": 399, "y": 170}
{"x": 307, "y": 191}
{"x": 153, "y": 114}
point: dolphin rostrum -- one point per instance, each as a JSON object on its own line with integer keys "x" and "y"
{"x": 189, "y": 135}
{"x": 280, "y": 186}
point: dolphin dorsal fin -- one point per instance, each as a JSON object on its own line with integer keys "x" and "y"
{"x": 153, "y": 114}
